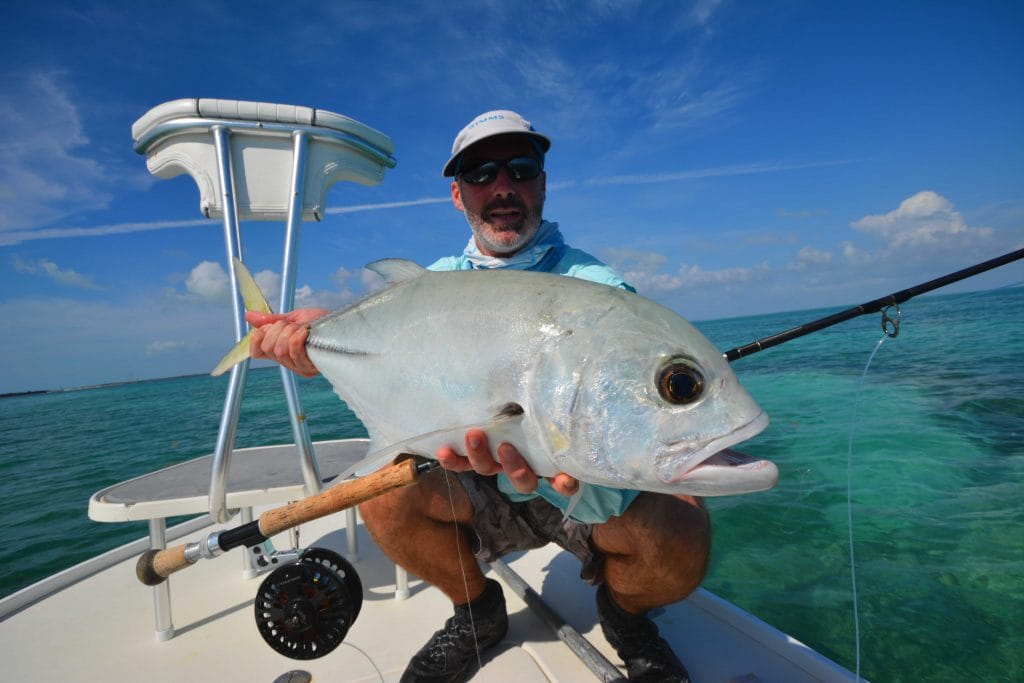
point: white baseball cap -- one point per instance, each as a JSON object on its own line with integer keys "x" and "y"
{"x": 487, "y": 125}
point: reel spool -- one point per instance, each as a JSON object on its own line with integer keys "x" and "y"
{"x": 304, "y": 609}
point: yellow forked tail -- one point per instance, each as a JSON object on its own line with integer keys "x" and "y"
{"x": 254, "y": 301}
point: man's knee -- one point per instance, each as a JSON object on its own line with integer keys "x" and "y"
{"x": 686, "y": 542}
{"x": 379, "y": 513}
{"x": 660, "y": 546}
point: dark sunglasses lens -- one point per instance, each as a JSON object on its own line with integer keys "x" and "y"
{"x": 519, "y": 168}
{"x": 482, "y": 174}
{"x": 523, "y": 168}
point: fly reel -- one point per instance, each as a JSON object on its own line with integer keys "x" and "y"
{"x": 305, "y": 609}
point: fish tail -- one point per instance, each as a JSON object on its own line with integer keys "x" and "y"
{"x": 236, "y": 355}
{"x": 254, "y": 301}
{"x": 251, "y": 293}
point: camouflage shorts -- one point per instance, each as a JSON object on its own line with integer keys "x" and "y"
{"x": 503, "y": 526}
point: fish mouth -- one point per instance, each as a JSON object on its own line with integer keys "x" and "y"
{"x": 678, "y": 461}
{"x": 729, "y": 473}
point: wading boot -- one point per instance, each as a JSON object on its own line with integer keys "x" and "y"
{"x": 450, "y": 655}
{"x": 647, "y": 656}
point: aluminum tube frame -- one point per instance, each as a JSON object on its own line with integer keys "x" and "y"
{"x": 289, "y": 276}
{"x": 236, "y": 385}
{"x": 164, "y": 625}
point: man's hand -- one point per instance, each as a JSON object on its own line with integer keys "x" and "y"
{"x": 478, "y": 458}
{"x": 281, "y": 337}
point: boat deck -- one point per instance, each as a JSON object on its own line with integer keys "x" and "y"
{"x": 101, "y": 628}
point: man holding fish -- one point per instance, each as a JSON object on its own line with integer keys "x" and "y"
{"x": 642, "y": 549}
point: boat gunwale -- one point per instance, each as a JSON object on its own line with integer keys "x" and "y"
{"x": 24, "y": 598}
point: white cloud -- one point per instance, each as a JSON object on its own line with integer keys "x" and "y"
{"x": 809, "y": 257}
{"x": 689, "y": 108}
{"x": 854, "y": 254}
{"x": 341, "y": 277}
{"x": 46, "y": 268}
{"x": 924, "y": 219}
{"x": 642, "y": 270}
{"x": 208, "y": 280}
{"x": 44, "y": 174}
{"x": 306, "y": 297}
{"x": 702, "y": 10}
{"x": 159, "y": 347}
{"x": 371, "y": 281}
{"x": 635, "y": 259}
{"x": 270, "y": 284}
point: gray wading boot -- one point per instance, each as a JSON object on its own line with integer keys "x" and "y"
{"x": 450, "y": 655}
{"x": 635, "y": 637}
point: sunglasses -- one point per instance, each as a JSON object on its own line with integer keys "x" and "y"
{"x": 518, "y": 169}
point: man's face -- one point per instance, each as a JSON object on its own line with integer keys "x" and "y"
{"x": 504, "y": 214}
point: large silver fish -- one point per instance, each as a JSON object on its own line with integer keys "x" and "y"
{"x": 582, "y": 378}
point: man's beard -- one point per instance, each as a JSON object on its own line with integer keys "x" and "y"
{"x": 505, "y": 239}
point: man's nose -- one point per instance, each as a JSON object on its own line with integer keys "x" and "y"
{"x": 503, "y": 183}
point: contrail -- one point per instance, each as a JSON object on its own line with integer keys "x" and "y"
{"x": 18, "y": 236}
{"x": 720, "y": 172}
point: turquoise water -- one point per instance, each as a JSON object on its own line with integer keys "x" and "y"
{"x": 936, "y": 477}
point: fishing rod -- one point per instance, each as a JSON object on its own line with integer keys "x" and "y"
{"x": 890, "y": 325}
{"x": 154, "y": 566}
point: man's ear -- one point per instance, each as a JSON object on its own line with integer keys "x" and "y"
{"x": 457, "y": 196}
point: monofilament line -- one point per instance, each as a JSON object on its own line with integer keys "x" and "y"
{"x": 462, "y": 568}
{"x": 368, "y": 658}
{"x": 849, "y": 504}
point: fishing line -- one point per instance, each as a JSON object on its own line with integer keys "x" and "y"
{"x": 890, "y": 329}
{"x": 462, "y": 568}
{"x": 368, "y": 658}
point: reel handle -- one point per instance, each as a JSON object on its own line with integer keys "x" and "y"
{"x": 155, "y": 565}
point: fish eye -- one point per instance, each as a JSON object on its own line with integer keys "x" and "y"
{"x": 680, "y": 383}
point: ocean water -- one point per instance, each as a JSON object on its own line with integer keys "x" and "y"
{"x": 929, "y": 444}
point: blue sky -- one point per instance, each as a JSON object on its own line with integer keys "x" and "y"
{"x": 729, "y": 158}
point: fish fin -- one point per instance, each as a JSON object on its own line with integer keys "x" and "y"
{"x": 371, "y": 463}
{"x": 396, "y": 270}
{"x": 251, "y": 293}
{"x": 254, "y": 301}
{"x": 368, "y": 465}
{"x": 236, "y": 355}
{"x": 504, "y": 426}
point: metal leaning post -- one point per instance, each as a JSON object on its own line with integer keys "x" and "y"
{"x": 302, "y": 152}
{"x": 175, "y": 137}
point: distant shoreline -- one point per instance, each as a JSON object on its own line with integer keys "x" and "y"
{"x": 105, "y": 385}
